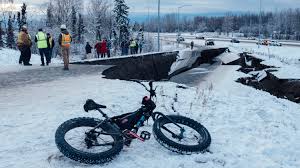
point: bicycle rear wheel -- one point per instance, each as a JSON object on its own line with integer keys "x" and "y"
{"x": 76, "y": 141}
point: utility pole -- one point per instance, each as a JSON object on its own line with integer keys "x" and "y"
{"x": 158, "y": 27}
{"x": 148, "y": 19}
{"x": 178, "y": 24}
{"x": 259, "y": 41}
{"x": 177, "y": 39}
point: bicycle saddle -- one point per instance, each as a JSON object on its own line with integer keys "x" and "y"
{"x": 92, "y": 105}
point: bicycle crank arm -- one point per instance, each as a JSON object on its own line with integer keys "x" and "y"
{"x": 134, "y": 135}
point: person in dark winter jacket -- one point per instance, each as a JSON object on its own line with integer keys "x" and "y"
{"x": 141, "y": 46}
{"x": 192, "y": 45}
{"x": 64, "y": 41}
{"x": 51, "y": 45}
{"x": 88, "y": 50}
{"x": 136, "y": 47}
{"x": 108, "y": 44}
{"x": 24, "y": 43}
{"x": 123, "y": 48}
{"x": 127, "y": 44}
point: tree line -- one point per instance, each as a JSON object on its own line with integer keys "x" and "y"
{"x": 9, "y": 24}
{"x": 284, "y": 24}
{"x": 87, "y": 22}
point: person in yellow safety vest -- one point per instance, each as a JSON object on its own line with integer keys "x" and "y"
{"x": 132, "y": 46}
{"x": 65, "y": 40}
{"x": 42, "y": 45}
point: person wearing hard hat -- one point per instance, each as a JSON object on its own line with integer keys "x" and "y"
{"x": 42, "y": 45}
{"x": 24, "y": 43}
{"x": 64, "y": 41}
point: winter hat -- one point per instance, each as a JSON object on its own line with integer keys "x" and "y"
{"x": 63, "y": 26}
{"x": 24, "y": 27}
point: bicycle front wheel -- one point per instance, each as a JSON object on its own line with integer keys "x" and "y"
{"x": 193, "y": 138}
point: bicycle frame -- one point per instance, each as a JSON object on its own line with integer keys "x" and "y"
{"x": 147, "y": 108}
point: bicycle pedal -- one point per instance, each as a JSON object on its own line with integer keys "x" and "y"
{"x": 145, "y": 135}
{"x": 133, "y": 135}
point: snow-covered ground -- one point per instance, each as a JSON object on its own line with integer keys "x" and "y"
{"x": 249, "y": 128}
{"x": 9, "y": 61}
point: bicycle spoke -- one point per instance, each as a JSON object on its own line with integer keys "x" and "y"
{"x": 97, "y": 142}
{"x": 189, "y": 137}
{"x": 173, "y": 134}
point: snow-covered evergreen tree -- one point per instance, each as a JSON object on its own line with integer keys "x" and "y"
{"x": 24, "y": 15}
{"x": 80, "y": 28}
{"x": 136, "y": 27}
{"x": 99, "y": 23}
{"x": 50, "y": 16}
{"x": 122, "y": 20}
{"x": 10, "y": 34}
{"x": 228, "y": 24}
{"x": 63, "y": 10}
{"x": 1, "y": 37}
{"x": 19, "y": 20}
{"x": 74, "y": 22}
{"x": 98, "y": 27}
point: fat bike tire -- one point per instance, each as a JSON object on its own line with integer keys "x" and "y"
{"x": 175, "y": 146}
{"x": 82, "y": 156}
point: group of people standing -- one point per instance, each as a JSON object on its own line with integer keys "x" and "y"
{"x": 102, "y": 49}
{"x": 45, "y": 44}
{"x": 134, "y": 45}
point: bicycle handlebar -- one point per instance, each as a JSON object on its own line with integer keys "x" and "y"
{"x": 151, "y": 91}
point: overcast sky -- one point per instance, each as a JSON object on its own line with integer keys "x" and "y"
{"x": 140, "y": 7}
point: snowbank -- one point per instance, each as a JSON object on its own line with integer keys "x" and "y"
{"x": 9, "y": 61}
{"x": 11, "y": 57}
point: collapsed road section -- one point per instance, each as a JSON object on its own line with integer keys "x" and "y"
{"x": 261, "y": 77}
{"x": 155, "y": 66}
